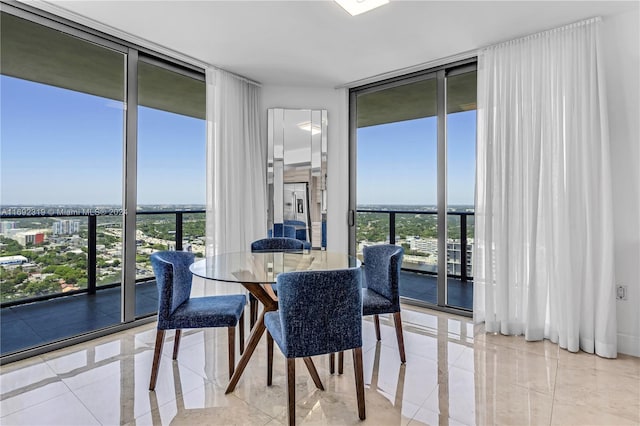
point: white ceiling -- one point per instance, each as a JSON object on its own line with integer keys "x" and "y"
{"x": 316, "y": 43}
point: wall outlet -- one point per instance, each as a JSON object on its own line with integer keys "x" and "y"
{"x": 621, "y": 292}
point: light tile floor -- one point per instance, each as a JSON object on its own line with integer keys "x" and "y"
{"x": 455, "y": 374}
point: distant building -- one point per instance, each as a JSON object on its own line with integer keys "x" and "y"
{"x": 429, "y": 246}
{"x": 6, "y": 226}
{"x": 66, "y": 227}
{"x": 454, "y": 257}
{"x": 13, "y": 260}
{"x": 31, "y": 237}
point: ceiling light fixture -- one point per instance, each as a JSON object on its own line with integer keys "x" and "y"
{"x": 308, "y": 127}
{"x": 356, "y": 7}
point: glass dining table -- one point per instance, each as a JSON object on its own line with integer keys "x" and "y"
{"x": 257, "y": 271}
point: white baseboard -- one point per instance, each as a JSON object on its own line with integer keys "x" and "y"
{"x": 629, "y": 345}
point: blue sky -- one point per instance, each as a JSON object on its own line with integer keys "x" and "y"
{"x": 64, "y": 147}
{"x": 58, "y": 146}
{"x": 397, "y": 162}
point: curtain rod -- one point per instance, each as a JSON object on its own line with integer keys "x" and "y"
{"x": 407, "y": 70}
{"x": 238, "y": 76}
{"x": 545, "y": 32}
{"x": 458, "y": 57}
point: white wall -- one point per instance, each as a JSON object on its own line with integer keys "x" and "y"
{"x": 336, "y": 104}
{"x": 620, "y": 42}
{"x": 621, "y": 46}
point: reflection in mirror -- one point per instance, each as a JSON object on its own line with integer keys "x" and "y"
{"x": 297, "y": 174}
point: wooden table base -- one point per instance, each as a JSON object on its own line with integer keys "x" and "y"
{"x": 270, "y": 304}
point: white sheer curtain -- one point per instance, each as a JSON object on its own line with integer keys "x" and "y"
{"x": 543, "y": 254}
{"x": 236, "y": 162}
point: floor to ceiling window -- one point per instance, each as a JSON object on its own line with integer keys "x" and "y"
{"x": 78, "y": 168}
{"x": 413, "y": 179}
{"x": 460, "y": 184}
{"x": 62, "y": 113}
{"x": 170, "y": 169}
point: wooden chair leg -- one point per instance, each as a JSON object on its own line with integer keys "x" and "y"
{"x": 241, "y": 332}
{"x": 314, "y": 373}
{"x": 359, "y": 375}
{"x": 397, "y": 319}
{"x": 253, "y": 311}
{"x": 332, "y": 363}
{"x": 269, "y": 359}
{"x": 291, "y": 390}
{"x": 231, "y": 336}
{"x": 156, "y": 359}
{"x": 376, "y": 322}
{"x": 341, "y": 362}
{"x": 176, "y": 343}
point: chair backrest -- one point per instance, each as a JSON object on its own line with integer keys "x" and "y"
{"x": 320, "y": 311}
{"x": 297, "y": 223}
{"x": 289, "y": 231}
{"x": 382, "y": 270}
{"x": 277, "y": 244}
{"x": 300, "y": 228}
{"x": 278, "y": 230}
{"x": 284, "y": 230}
{"x": 173, "y": 278}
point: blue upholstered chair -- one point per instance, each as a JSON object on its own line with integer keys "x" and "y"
{"x": 381, "y": 294}
{"x": 300, "y": 228}
{"x": 277, "y": 244}
{"x": 272, "y": 245}
{"x": 282, "y": 230}
{"x": 319, "y": 312}
{"x": 177, "y": 310}
{"x": 289, "y": 231}
{"x": 277, "y": 230}
{"x": 280, "y": 244}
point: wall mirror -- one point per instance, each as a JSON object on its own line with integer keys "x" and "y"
{"x": 297, "y": 174}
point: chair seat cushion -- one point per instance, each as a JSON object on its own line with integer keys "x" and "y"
{"x": 210, "y": 311}
{"x": 374, "y": 303}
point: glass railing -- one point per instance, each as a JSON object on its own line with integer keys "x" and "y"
{"x": 161, "y": 230}
{"x": 47, "y": 253}
{"x": 417, "y": 232}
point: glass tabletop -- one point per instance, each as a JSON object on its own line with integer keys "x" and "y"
{"x": 264, "y": 267}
